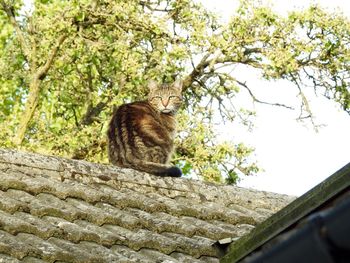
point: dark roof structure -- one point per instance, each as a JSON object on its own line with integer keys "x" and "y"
{"x": 60, "y": 210}
{"x": 313, "y": 228}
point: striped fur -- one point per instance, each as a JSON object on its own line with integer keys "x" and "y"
{"x": 141, "y": 134}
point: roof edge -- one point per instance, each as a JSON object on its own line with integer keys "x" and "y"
{"x": 289, "y": 215}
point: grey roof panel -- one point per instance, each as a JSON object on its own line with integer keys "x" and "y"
{"x": 60, "y": 210}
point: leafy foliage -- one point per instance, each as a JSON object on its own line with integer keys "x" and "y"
{"x": 65, "y": 65}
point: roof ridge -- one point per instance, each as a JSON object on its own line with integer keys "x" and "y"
{"x": 116, "y": 177}
{"x": 70, "y": 168}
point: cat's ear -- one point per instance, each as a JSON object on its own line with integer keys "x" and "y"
{"x": 152, "y": 85}
{"x": 178, "y": 84}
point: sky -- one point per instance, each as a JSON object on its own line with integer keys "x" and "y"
{"x": 293, "y": 156}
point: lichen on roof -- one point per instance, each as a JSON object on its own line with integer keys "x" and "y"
{"x": 54, "y": 209}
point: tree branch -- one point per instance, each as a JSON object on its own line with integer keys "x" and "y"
{"x": 34, "y": 92}
{"x": 206, "y": 62}
{"x": 42, "y": 71}
{"x": 196, "y": 71}
{"x": 244, "y": 85}
{"x": 9, "y": 10}
{"x": 305, "y": 106}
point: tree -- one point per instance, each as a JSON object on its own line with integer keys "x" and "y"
{"x": 66, "y": 64}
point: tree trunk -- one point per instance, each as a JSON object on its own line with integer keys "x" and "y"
{"x": 30, "y": 106}
{"x": 34, "y": 91}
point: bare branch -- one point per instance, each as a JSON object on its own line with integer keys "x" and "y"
{"x": 243, "y": 84}
{"x": 305, "y": 106}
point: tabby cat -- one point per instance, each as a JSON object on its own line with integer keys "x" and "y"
{"x": 141, "y": 134}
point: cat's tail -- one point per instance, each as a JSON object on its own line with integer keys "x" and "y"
{"x": 172, "y": 171}
{"x": 158, "y": 169}
{"x": 155, "y": 168}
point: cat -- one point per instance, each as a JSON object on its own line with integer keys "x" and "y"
{"x": 141, "y": 134}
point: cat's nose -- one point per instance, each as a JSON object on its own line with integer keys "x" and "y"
{"x": 165, "y": 102}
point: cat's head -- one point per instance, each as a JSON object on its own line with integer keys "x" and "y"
{"x": 165, "y": 98}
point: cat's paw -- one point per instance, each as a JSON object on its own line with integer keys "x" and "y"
{"x": 173, "y": 172}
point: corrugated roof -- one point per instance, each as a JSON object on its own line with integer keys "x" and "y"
{"x": 60, "y": 210}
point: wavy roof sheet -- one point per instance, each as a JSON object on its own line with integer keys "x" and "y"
{"x": 60, "y": 210}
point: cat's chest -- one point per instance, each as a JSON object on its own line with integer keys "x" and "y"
{"x": 169, "y": 123}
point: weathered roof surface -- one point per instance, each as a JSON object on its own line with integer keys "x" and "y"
{"x": 60, "y": 210}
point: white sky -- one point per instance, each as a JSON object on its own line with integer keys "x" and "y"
{"x": 295, "y": 158}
